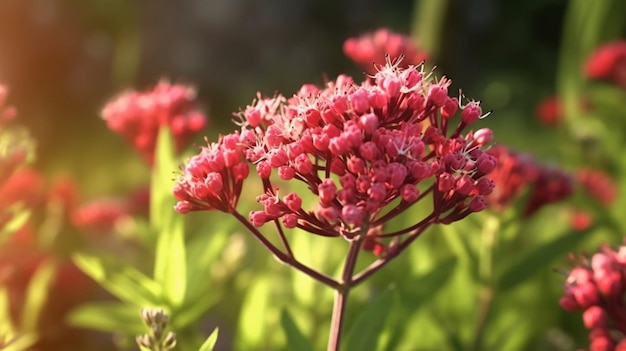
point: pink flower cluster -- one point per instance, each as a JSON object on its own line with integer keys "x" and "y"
{"x": 598, "y": 185}
{"x": 598, "y": 288}
{"x": 608, "y": 62}
{"x": 138, "y": 116}
{"x": 367, "y": 152}
{"x": 516, "y": 171}
{"x": 376, "y": 46}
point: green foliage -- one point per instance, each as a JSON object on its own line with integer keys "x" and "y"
{"x": 365, "y": 332}
{"x": 211, "y": 340}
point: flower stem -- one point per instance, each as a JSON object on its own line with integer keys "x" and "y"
{"x": 284, "y": 257}
{"x": 341, "y": 293}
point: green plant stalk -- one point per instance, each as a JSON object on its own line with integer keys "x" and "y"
{"x": 426, "y": 29}
{"x": 485, "y": 274}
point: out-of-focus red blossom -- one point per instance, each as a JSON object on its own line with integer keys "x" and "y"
{"x": 514, "y": 171}
{"x": 597, "y": 287}
{"x": 552, "y": 185}
{"x": 25, "y": 185}
{"x": 608, "y": 62}
{"x": 19, "y": 260}
{"x": 358, "y": 148}
{"x": 7, "y": 112}
{"x": 580, "y": 220}
{"x": 598, "y": 185}
{"x": 138, "y": 116}
{"x": 99, "y": 216}
{"x": 549, "y": 111}
{"x": 374, "y": 46}
{"x": 517, "y": 171}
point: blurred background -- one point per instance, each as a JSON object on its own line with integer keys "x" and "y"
{"x": 63, "y": 59}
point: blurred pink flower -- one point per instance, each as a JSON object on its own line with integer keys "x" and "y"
{"x": 371, "y": 49}
{"x": 608, "y": 62}
{"x": 598, "y": 185}
{"x": 138, "y": 116}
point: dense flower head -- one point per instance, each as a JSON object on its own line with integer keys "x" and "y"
{"x": 597, "y": 286}
{"x": 138, "y": 116}
{"x": 213, "y": 179}
{"x": 516, "y": 172}
{"x": 608, "y": 62}
{"x": 598, "y": 185}
{"x": 367, "y": 152}
{"x": 374, "y": 47}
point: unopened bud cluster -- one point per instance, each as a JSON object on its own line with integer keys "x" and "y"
{"x": 366, "y": 151}
{"x": 158, "y": 339}
{"x": 598, "y": 288}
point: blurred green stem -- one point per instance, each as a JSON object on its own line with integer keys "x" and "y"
{"x": 485, "y": 275}
{"x": 428, "y": 16}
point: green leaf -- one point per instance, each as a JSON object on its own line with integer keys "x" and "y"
{"x": 295, "y": 339}
{"x": 162, "y": 200}
{"x": 539, "y": 259}
{"x": 19, "y": 216}
{"x": 193, "y": 309}
{"x": 417, "y": 294}
{"x": 124, "y": 281}
{"x": 252, "y": 331}
{"x": 209, "y": 343}
{"x": 364, "y": 334}
{"x": 170, "y": 267}
{"x": 425, "y": 287}
{"x": 108, "y": 317}
{"x": 36, "y": 295}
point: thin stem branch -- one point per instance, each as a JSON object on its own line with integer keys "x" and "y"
{"x": 381, "y": 262}
{"x": 285, "y": 258}
{"x": 341, "y": 293}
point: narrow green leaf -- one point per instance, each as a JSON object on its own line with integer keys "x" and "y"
{"x": 36, "y": 295}
{"x": 210, "y": 342}
{"x": 170, "y": 268}
{"x": 193, "y": 309}
{"x": 295, "y": 339}
{"x": 124, "y": 281}
{"x": 425, "y": 287}
{"x": 539, "y": 259}
{"x": 165, "y": 165}
{"x": 364, "y": 334}
{"x": 17, "y": 221}
{"x": 108, "y": 317}
{"x": 252, "y": 330}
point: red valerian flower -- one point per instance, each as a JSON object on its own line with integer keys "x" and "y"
{"x": 608, "y": 62}
{"x": 367, "y": 151}
{"x": 138, "y": 116}
{"x": 598, "y": 185}
{"x": 375, "y": 46}
{"x": 515, "y": 172}
{"x": 597, "y": 287}
{"x": 549, "y": 111}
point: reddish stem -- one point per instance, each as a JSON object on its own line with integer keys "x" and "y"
{"x": 285, "y": 258}
{"x": 341, "y": 293}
